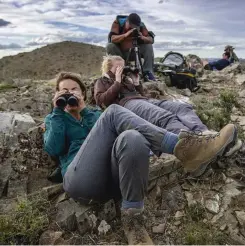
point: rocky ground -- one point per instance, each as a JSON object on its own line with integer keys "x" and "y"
{"x": 179, "y": 209}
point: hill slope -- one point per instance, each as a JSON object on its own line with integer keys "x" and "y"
{"x": 46, "y": 62}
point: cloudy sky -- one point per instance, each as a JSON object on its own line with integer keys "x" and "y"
{"x": 202, "y": 27}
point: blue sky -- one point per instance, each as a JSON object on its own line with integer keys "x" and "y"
{"x": 188, "y": 26}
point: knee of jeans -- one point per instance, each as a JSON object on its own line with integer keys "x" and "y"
{"x": 110, "y": 47}
{"x": 184, "y": 106}
{"x": 134, "y": 141}
{"x": 112, "y": 109}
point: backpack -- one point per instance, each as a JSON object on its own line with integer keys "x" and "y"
{"x": 174, "y": 65}
{"x": 121, "y": 19}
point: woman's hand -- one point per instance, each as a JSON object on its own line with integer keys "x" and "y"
{"x": 80, "y": 99}
{"x": 135, "y": 78}
{"x": 57, "y": 95}
{"x": 119, "y": 71}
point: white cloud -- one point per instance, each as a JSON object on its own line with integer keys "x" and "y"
{"x": 178, "y": 24}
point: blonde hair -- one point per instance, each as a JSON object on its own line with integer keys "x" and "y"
{"x": 108, "y": 61}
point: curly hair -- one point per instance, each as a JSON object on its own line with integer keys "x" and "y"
{"x": 107, "y": 62}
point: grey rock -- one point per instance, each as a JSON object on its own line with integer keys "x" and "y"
{"x": 53, "y": 190}
{"x": 186, "y": 92}
{"x": 22, "y": 123}
{"x": 17, "y": 188}
{"x": 178, "y": 215}
{"x": 190, "y": 199}
{"x": 163, "y": 167}
{"x": 6, "y": 120}
{"x": 234, "y": 68}
{"x": 5, "y": 173}
{"x": 223, "y": 227}
{"x": 242, "y": 94}
{"x": 159, "y": 229}
{"x": 7, "y": 205}
{"x": 65, "y": 217}
{"x": 3, "y": 100}
{"x": 240, "y": 79}
{"x": 212, "y": 206}
{"x": 13, "y": 122}
{"x": 103, "y": 227}
{"x": 51, "y": 238}
{"x": 173, "y": 199}
{"x": 240, "y": 215}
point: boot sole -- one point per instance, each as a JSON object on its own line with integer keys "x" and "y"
{"x": 238, "y": 147}
{"x": 230, "y": 143}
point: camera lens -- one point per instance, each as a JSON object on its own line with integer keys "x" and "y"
{"x": 72, "y": 101}
{"x": 61, "y": 102}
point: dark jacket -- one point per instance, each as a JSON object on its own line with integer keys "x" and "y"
{"x": 220, "y": 64}
{"x": 64, "y": 135}
{"x": 107, "y": 91}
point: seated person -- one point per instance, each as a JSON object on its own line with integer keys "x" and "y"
{"x": 120, "y": 41}
{"x": 233, "y": 57}
{"x": 220, "y": 64}
{"x": 104, "y": 156}
{"x": 115, "y": 87}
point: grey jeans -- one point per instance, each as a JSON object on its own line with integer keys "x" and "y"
{"x": 114, "y": 158}
{"x": 145, "y": 49}
{"x": 169, "y": 115}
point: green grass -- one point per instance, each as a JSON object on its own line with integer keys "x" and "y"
{"x": 26, "y": 223}
{"x": 199, "y": 233}
{"x": 216, "y": 113}
{"x": 195, "y": 231}
{"x": 4, "y": 87}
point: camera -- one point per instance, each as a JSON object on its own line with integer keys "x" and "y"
{"x": 135, "y": 33}
{"x": 128, "y": 69}
{"x": 65, "y": 99}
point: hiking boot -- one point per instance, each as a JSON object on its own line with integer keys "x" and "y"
{"x": 148, "y": 76}
{"x": 197, "y": 151}
{"x": 237, "y": 145}
{"x": 133, "y": 226}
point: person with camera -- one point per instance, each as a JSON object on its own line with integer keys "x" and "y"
{"x": 121, "y": 86}
{"x": 121, "y": 36}
{"x": 232, "y": 55}
{"x": 104, "y": 156}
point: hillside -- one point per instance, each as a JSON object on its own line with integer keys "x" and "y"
{"x": 46, "y": 62}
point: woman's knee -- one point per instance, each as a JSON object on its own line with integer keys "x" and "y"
{"x": 134, "y": 141}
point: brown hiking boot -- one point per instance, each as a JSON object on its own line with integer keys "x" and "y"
{"x": 197, "y": 151}
{"x": 134, "y": 229}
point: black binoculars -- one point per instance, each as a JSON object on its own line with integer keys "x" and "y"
{"x": 65, "y": 99}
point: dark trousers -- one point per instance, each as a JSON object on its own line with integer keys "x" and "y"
{"x": 145, "y": 49}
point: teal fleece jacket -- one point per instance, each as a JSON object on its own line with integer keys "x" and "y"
{"x": 64, "y": 135}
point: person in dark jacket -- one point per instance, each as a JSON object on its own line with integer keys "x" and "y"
{"x": 233, "y": 57}
{"x": 106, "y": 155}
{"x": 220, "y": 64}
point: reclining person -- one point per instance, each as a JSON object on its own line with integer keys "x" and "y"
{"x": 120, "y": 41}
{"x": 115, "y": 87}
{"x": 220, "y": 64}
{"x": 106, "y": 155}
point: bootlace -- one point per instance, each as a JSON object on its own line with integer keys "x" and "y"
{"x": 195, "y": 137}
